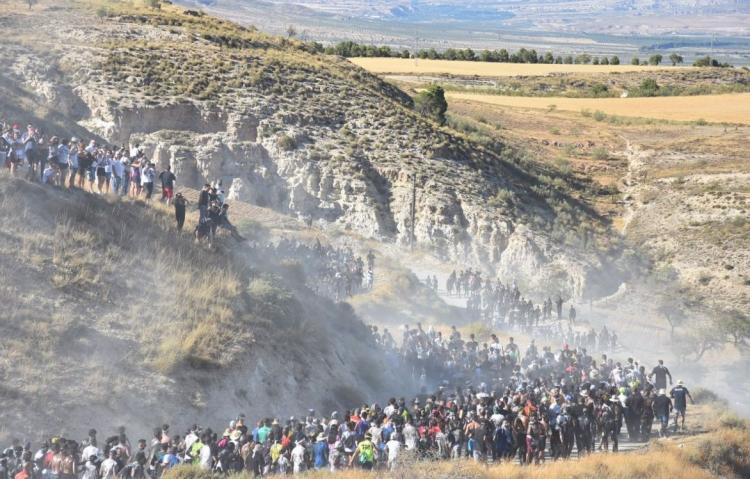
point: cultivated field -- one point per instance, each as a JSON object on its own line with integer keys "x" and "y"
{"x": 485, "y": 69}
{"x": 733, "y": 108}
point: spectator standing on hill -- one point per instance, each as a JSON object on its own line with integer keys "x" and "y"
{"x": 180, "y": 204}
{"x": 148, "y": 175}
{"x": 72, "y": 162}
{"x": 118, "y": 172}
{"x": 63, "y": 153}
{"x": 204, "y": 198}
{"x": 167, "y": 179}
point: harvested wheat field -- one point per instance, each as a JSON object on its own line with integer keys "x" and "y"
{"x": 733, "y": 108}
{"x": 486, "y": 69}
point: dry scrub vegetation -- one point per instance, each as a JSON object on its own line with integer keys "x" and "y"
{"x": 84, "y": 266}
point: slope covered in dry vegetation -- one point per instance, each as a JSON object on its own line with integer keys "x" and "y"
{"x": 107, "y": 308}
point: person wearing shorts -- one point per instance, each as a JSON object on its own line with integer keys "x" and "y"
{"x": 167, "y": 184}
{"x": 680, "y": 395}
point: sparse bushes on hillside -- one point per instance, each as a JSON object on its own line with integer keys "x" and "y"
{"x": 710, "y": 62}
{"x": 431, "y": 103}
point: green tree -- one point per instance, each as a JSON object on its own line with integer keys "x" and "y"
{"x": 431, "y": 103}
{"x": 605, "y": 61}
{"x": 655, "y": 59}
{"x": 635, "y": 61}
{"x": 649, "y": 87}
{"x": 675, "y": 59}
{"x": 615, "y": 60}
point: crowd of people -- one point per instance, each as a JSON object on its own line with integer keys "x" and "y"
{"x": 492, "y": 401}
{"x": 106, "y": 169}
{"x": 530, "y": 407}
{"x": 501, "y": 304}
{"x": 330, "y": 271}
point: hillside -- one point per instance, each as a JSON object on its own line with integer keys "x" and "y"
{"x": 303, "y": 133}
{"x": 110, "y": 316}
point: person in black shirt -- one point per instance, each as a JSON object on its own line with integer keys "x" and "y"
{"x": 660, "y": 374}
{"x": 680, "y": 394}
{"x": 203, "y": 202}
{"x": 180, "y": 204}
{"x": 167, "y": 184}
{"x": 662, "y": 406}
{"x": 223, "y": 222}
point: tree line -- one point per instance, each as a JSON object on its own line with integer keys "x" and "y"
{"x": 350, "y": 49}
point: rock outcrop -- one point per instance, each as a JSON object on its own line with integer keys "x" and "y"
{"x": 305, "y": 134}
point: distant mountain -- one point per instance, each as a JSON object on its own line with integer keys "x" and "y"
{"x": 488, "y": 10}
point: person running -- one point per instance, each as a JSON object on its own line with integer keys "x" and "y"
{"x": 364, "y": 453}
{"x": 680, "y": 394}
{"x": 660, "y": 373}
{"x": 662, "y": 406}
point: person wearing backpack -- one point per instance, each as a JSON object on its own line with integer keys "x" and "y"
{"x": 364, "y": 453}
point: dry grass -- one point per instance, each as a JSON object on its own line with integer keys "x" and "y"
{"x": 124, "y": 260}
{"x": 400, "y": 65}
{"x": 732, "y": 108}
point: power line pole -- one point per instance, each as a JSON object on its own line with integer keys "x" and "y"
{"x": 412, "y": 235}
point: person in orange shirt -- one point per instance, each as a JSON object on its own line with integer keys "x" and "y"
{"x": 26, "y": 472}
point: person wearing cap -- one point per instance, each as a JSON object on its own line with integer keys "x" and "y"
{"x": 680, "y": 394}
{"x": 320, "y": 452}
{"x": 662, "y": 407}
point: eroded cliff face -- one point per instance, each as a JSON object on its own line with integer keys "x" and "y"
{"x": 308, "y": 135}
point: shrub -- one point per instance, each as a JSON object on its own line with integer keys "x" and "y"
{"x": 600, "y": 153}
{"x": 286, "y": 143}
{"x": 648, "y": 87}
{"x": 431, "y": 103}
{"x": 599, "y": 90}
{"x": 703, "y": 396}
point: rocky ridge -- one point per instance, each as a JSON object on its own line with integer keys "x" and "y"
{"x": 306, "y": 134}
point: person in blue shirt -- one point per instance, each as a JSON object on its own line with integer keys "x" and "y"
{"x": 680, "y": 394}
{"x": 320, "y": 452}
